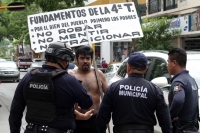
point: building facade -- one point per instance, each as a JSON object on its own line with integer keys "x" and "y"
{"x": 187, "y": 13}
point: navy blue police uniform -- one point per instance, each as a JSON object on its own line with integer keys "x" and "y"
{"x": 132, "y": 102}
{"x": 183, "y": 99}
{"x": 49, "y": 99}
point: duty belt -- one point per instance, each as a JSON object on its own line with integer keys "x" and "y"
{"x": 45, "y": 129}
{"x": 133, "y": 127}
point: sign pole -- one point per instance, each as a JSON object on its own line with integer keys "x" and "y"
{"x": 96, "y": 71}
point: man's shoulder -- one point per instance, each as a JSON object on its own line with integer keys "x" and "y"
{"x": 73, "y": 72}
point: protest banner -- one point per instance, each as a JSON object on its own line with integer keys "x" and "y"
{"x": 103, "y": 23}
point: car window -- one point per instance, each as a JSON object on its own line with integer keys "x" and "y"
{"x": 122, "y": 69}
{"x": 148, "y": 64}
{"x": 109, "y": 69}
{"x": 160, "y": 70}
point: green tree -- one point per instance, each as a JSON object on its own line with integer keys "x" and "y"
{"x": 52, "y": 5}
{"x": 157, "y": 35}
{"x": 3, "y": 24}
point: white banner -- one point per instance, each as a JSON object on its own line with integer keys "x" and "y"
{"x": 102, "y": 23}
{"x": 180, "y": 23}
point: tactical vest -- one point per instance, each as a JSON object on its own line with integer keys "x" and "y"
{"x": 39, "y": 96}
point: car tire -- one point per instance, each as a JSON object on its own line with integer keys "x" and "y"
{"x": 17, "y": 80}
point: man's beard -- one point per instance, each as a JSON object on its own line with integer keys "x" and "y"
{"x": 86, "y": 67}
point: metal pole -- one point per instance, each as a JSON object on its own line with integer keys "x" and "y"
{"x": 96, "y": 71}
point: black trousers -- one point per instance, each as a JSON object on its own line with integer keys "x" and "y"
{"x": 86, "y": 126}
{"x": 28, "y": 131}
{"x": 134, "y": 131}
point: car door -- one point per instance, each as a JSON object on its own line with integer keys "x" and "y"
{"x": 159, "y": 69}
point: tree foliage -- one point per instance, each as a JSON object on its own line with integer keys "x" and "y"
{"x": 52, "y": 5}
{"x": 157, "y": 34}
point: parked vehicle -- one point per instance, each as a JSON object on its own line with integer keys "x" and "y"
{"x": 9, "y": 71}
{"x": 37, "y": 59}
{"x": 2, "y": 59}
{"x": 157, "y": 63}
{"x": 111, "y": 70}
{"x": 99, "y": 67}
{"x": 23, "y": 62}
{"x": 38, "y": 64}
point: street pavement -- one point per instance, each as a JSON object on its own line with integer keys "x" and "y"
{"x": 4, "y": 114}
{"x": 7, "y": 90}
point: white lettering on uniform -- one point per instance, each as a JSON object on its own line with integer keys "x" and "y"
{"x": 138, "y": 88}
{"x": 121, "y": 86}
{"x": 39, "y": 86}
{"x": 126, "y": 87}
{"x": 133, "y": 91}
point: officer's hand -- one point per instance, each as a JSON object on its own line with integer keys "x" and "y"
{"x": 175, "y": 119}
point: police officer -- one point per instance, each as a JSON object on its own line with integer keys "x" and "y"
{"x": 49, "y": 94}
{"x": 183, "y": 94}
{"x": 133, "y": 101}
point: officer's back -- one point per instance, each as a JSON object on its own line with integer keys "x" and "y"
{"x": 133, "y": 102}
{"x": 49, "y": 94}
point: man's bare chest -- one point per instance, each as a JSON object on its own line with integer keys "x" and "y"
{"x": 90, "y": 84}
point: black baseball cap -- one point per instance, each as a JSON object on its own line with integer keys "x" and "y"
{"x": 137, "y": 60}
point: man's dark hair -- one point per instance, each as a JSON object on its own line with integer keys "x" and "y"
{"x": 179, "y": 55}
{"x": 84, "y": 50}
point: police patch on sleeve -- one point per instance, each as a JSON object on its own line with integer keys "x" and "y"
{"x": 177, "y": 88}
{"x": 194, "y": 88}
{"x": 39, "y": 86}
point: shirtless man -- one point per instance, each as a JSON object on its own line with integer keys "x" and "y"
{"x": 86, "y": 74}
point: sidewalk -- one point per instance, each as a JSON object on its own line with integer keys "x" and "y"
{"x": 4, "y": 114}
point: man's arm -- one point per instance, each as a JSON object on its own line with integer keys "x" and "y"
{"x": 17, "y": 108}
{"x": 162, "y": 112}
{"x": 178, "y": 99}
{"x": 82, "y": 116}
{"x": 103, "y": 81}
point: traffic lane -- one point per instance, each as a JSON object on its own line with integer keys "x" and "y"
{"x": 7, "y": 90}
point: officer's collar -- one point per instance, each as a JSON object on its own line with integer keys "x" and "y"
{"x": 135, "y": 75}
{"x": 48, "y": 67}
{"x": 181, "y": 72}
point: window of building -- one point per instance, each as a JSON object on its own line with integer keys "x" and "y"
{"x": 154, "y": 6}
{"x": 170, "y": 4}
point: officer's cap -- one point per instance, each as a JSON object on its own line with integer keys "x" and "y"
{"x": 137, "y": 60}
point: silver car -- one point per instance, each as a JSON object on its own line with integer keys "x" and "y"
{"x": 9, "y": 71}
{"x": 111, "y": 70}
